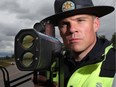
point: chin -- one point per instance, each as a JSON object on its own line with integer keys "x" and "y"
{"x": 76, "y": 48}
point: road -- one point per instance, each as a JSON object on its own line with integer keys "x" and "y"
{"x": 15, "y": 73}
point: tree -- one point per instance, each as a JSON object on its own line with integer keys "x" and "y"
{"x": 102, "y": 36}
{"x": 113, "y": 40}
{"x": 12, "y": 56}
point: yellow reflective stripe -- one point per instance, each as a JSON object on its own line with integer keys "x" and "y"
{"x": 106, "y": 51}
{"x": 55, "y": 79}
{"x": 108, "y": 48}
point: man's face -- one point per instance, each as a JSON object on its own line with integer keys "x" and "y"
{"x": 79, "y": 32}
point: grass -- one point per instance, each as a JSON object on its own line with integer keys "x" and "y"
{"x": 6, "y": 62}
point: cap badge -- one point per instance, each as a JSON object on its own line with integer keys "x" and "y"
{"x": 68, "y": 5}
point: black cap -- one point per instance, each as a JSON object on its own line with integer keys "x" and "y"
{"x": 67, "y": 8}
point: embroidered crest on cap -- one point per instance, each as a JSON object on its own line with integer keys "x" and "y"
{"x": 68, "y": 5}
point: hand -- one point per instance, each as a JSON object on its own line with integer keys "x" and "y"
{"x": 43, "y": 82}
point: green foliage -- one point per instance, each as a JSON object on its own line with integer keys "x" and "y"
{"x": 102, "y": 36}
{"x": 113, "y": 40}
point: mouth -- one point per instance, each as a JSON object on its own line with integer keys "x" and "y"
{"x": 75, "y": 40}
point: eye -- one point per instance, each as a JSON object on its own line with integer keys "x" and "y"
{"x": 80, "y": 20}
{"x": 63, "y": 25}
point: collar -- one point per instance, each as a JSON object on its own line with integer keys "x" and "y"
{"x": 93, "y": 56}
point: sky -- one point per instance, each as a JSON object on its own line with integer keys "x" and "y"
{"x": 22, "y": 14}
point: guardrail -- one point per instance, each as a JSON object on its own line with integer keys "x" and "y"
{"x": 8, "y": 82}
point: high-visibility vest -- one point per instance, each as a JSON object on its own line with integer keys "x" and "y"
{"x": 88, "y": 76}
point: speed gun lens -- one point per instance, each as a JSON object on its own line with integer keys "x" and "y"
{"x": 27, "y": 59}
{"x": 27, "y": 41}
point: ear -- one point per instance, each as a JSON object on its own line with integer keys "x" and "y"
{"x": 96, "y": 24}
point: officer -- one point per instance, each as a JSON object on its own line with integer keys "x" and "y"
{"x": 90, "y": 61}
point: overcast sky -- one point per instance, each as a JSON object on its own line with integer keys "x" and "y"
{"x": 19, "y": 14}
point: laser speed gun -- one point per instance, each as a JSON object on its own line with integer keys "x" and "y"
{"x": 35, "y": 50}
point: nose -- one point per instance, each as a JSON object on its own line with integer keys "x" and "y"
{"x": 73, "y": 28}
